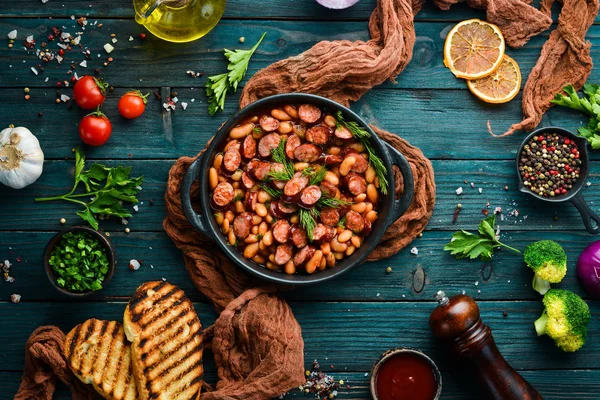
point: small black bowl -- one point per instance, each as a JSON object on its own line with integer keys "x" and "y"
{"x": 112, "y": 259}
{"x": 590, "y": 219}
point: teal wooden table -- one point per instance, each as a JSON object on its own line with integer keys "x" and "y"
{"x": 346, "y": 323}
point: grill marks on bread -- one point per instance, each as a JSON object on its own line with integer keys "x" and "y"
{"x": 98, "y": 353}
{"x": 165, "y": 332}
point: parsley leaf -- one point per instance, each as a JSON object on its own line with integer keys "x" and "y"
{"x": 589, "y": 104}
{"x": 218, "y": 86}
{"x": 468, "y": 245}
{"x": 107, "y": 187}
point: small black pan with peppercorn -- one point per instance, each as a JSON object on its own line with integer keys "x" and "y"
{"x": 552, "y": 165}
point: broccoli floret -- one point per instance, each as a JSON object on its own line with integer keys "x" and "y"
{"x": 548, "y": 261}
{"x": 565, "y": 319}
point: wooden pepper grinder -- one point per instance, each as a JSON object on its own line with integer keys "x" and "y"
{"x": 456, "y": 322}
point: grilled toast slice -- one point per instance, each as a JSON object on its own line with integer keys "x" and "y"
{"x": 166, "y": 344}
{"x": 99, "y": 354}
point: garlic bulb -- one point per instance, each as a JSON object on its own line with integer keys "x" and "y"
{"x": 21, "y": 158}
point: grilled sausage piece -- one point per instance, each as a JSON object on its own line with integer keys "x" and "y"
{"x": 247, "y": 181}
{"x": 287, "y": 208}
{"x": 330, "y": 216}
{"x": 293, "y": 188}
{"x": 248, "y": 148}
{"x": 275, "y": 210}
{"x": 368, "y": 227}
{"x": 343, "y": 133}
{"x": 331, "y": 159}
{"x": 231, "y": 160}
{"x": 299, "y": 236}
{"x": 242, "y": 224}
{"x": 223, "y": 194}
{"x": 268, "y": 143}
{"x": 356, "y": 184}
{"x": 290, "y": 145}
{"x": 361, "y": 164}
{"x": 268, "y": 123}
{"x": 318, "y": 135}
{"x": 328, "y": 189}
{"x": 283, "y": 254}
{"x": 250, "y": 200}
{"x": 323, "y": 233}
{"x": 354, "y": 221}
{"x": 309, "y": 113}
{"x": 309, "y": 197}
{"x": 307, "y": 152}
{"x": 232, "y": 144}
{"x": 281, "y": 231}
{"x": 303, "y": 255}
{"x": 258, "y": 169}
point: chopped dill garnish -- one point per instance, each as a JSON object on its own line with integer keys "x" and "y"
{"x": 342, "y": 222}
{"x": 332, "y": 202}
{"x": 363, "y": 136}
{"x": 279, "y": 156}
{"x": 308, "y": 220}
{"x": 315, "y": 175}
{"x": 273, "y": 192}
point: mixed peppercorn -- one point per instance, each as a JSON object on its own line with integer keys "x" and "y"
{"x": 550, "y": 164}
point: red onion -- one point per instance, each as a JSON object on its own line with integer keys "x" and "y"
{"x": 588, "y": 269}
{"x": 337, "y": 4}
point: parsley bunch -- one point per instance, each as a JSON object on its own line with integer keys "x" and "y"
{"x": 107, "y": 187}
{"x": 218, "y": 86}
{"x": 589, "y": 104}
{"x": 468, "y": 245}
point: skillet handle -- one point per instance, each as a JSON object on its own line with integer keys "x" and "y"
{"x": 197, "y": 220}
{"x": 591, "y": 220}
{"x": 400, "y": 206}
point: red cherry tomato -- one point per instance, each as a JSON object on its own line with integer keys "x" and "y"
{"x": 132, "y": 104}
{"x": 95, "y": 129}
{"x": 89, "y": 92}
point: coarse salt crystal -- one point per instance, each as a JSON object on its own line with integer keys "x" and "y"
{"x": 65, "y": 35}
{"x": 476, "y": 283}
{"x": 459, "y": 190}
{"x": 15, "y": 298}
{"x": 29, "y": 39}
{"x": 59, "y": 59}
{"x": 12, "y": 35}
{"x": 7, "y": 263}
{"x": 62, "y": 46}
{"x": 45, "y": 1}
{"x": 114, "y": 40}
{"x": 136, "y": 208}
{"x": 47, "y": 79}
{"x": 414, "y": 251}
{"x": 164, "y": 279}
{"x": 174, "y": 99}
{"x": 76, "y": 41}
{"x": 192, "y": 100}
{"x": 124, "y": 221}
{"x": 131, "y": 38}
{"x": 472, "y": 184}
{"x": 184, "y": 105}
{"x": 64, "y": 98}
{"x": 588, "y": 184}
{"x": 83, "y": 64}
{"x": 134, "y": 264}
{"x": 34, "y": 70}
{"x": 480, "y": 190}
{"x": 108, "y": 48}
{"x": 497, "y": 210}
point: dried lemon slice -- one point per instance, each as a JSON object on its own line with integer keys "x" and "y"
{"x": 473, "y": 49}
{"x": 499, "y": 87}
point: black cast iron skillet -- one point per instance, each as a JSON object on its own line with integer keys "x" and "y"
{"x": 590, "y": 219}
{"x": 389, "y": 209}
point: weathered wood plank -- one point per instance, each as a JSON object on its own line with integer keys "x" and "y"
{"x": 20, "y": 212}
{"x": 133, "y": 58}
{"x": 413, "y": 277}
{"x": 368, "y": 330}
{"x": 444, "y": 124}
{"x": 552, "y": 384}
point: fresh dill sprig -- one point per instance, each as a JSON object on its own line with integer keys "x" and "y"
{"x": 308, "y": 220}
{"x": 342, "y": 222}
{"x": 279, "y": 156}
{"x": 273, "y": 192}
{"x": 332, "y": 202}
{"x": 315, "y": 175}
{"x": 363, "y": 136}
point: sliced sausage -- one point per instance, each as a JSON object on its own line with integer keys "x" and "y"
{"x": 287, "y": 208}
{"x": 361, "y": 164}
{"x": 368, "y": 227}
{"x": 291, "y": 144}
{"x": 242, "y": 224}
{"x": 310, "y": 195}
{"x": 328, "y": 189}
{"x": 299, "y": 236}
{"x": 354, "y": 221}
{"x": 330, "y": 216}
{"x": 276, "y": 211}
{"x": 250, "y": 200}
{"x": 267, "y": 143}
{"x": 281, "y": 231}
{"x": 347, "y": 150}
{"x": 258, "y": 169}
{"x": 323, "y": 233}
{"x": 223, "y": 194}
{"x": 268, "y": 123}
{"x": 356, "y": 184}
{"x": 283, "y": 254}
{"x": 345, "y": 208}
{"x": 293, "y": 188}
{"x": 318, "y": 135}
{"x": 232, "y": 144}
{"x": 303, "y": 255}
{"x": 247, "y": 181}
{"x": 343, "y": 133}
{"x": 248, "y": 148}
{"x": 309, "y": 113}
{"x": 231, "y": 160}
{"x": 331, "y": 159}
{"x": 307, "y": 152}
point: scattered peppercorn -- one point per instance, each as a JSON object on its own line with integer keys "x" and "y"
{"x": 110, "y": 59}
{"x": 127, "y": 230}
{"x": 388, "y": 270}
{"x": 550, "y": 165}
{"x": 142, "y": 36}
{"x": 40, "y": 114}
{"x": 242, "y": 39}
{"x": 505, "y": 187}
{"x": 57, "y": 101}
{"x": 63, "y": 221}
{"x": 456, "y": 212}
{"x": 26, "y": 90}
{"x": 27, "y": 97}
{"x": 505, "y": 314}
{"x": 111, "y": 89}
{"x": 151, "y": 202}
{"x": 96, "y": 71}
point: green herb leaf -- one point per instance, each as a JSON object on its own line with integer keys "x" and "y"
{"x": 486, "y": 228}
{"x": 218, "y": 86}
{"x": 363, "y": 136}
{"x": 308, "y": 220}
{"x": 572, "y": 100}
{"x": 589, "y": 105}
{"x": 332, "y": 202}
{"x": 274, "y": 193}
{"x": 315, "y": 174}
{"x": 278, "y": 155}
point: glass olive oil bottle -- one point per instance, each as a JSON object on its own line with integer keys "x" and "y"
{"x": 179, "y": 20}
